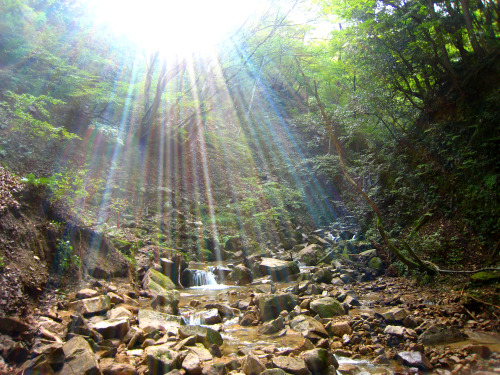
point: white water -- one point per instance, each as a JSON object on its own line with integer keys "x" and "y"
{"x": 202, "y": 277}
{"x": 205, "y": 279}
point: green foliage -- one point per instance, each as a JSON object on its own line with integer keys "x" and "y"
{"x": 29, "y": 114}
{"x": 65, "y": 257}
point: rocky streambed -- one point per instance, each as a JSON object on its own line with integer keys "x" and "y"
{"x": 305, "y": 322}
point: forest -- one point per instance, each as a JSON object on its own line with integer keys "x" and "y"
{"x": 309, "y": 158}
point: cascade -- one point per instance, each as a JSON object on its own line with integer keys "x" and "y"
{"x": 203, "y": 277}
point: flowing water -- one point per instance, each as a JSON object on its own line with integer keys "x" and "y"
{"x": 206, "y": 289}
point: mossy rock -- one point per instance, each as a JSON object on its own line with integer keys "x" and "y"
{"x": 157, "y": 281}
{"x": 327, "y": 307}
{"x": 486, "y": 277}
{"x": 376, "y": 264}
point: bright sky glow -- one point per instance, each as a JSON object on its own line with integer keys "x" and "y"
{"x": 175, "y": 26}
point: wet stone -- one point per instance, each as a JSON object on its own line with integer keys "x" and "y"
{"x": 192, "y": 364}
{"x": 304, "y": 323}
{"x": 86, "y": 293}
{"x": 414, "y": 359}
{"x": 91, "y": 306}
{"x": 80, "y": 358}
{"x": 327, "y": 307}
{"x": 441, "y": 334}
{"x": 252, "y": 365}
{"x": 295, "y": 366}
{"x": 113, "y": 328}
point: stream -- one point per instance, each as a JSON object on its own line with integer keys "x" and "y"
{"x": 241, "y": 339}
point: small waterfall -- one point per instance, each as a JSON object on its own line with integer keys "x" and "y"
{"x": 202, "y": 277}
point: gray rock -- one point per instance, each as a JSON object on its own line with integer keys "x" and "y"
{"x": 202, "y": 353}
{"x": 80, "y": 358}
{"x": 161, "y": 359}
{"x": 115, "y": 328}
{"x": 295, "y": 366}
{"x": 210, "y": 316}
{"x": 252, "y": 365}
{"x": 310, "y": 255}
{"x": 395, "y": 331}
{"x": 91, "y": 306}
{"x": 207, "y": 336}
{"x": 167, "y": 302}
{"x": 224, "y": 310}
{"x": 110, "y": 367}
{"x": 157, "y": 320}
{"x": 327, "y": 307}
{"x": 340, "y": 329}
{"x": 441, "y": 334}
{"x": 86, "y": 293}
{"x": 192, "y": 364}
{"x": 279, "y": 270}
{"x": 271, "y": 305}
{"x": 318, "y": 360}
{"x": 414, "y": 359}
{"x": 119, "y": 312}
{"x": 241, "y": 275}
{"x": 273, "y": 326}
{"x": 395, "y": 315}
{"x": 304, "y": 323}
{"x": 214, "y": 369}
{"x": 323, "y": 275}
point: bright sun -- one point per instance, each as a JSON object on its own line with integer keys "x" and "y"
{"x": 175, "y": 26}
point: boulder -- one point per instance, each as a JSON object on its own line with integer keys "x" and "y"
{"x": 86, "y": 293}
{"x": 110, "y": 367}
{"x": 271, "y": 305}
{"x": 305, "y": 323}
{"x": 395, "y": 331}
{"x": 441, "y": 334}
{"x": 224, "y": 310}
{"x": 13, "y": 326}
{"x": 291, "y": 365}
{"x": 252, "y": 365}
{"x": 157, "y": 320}
{"x": 91, "y": 306}
{"x": 414, "y": 359}
{"x": 207, "y": 336}
{"x": 115, "y": 328}
{"x": 395, "y": 315}
{"x": 119, "y": 312}
{"x": 273, "y": 326}
{"x": 210, "y": 316}
{"x": 214, "y": 369}
{"x": 80, "y": 358}
{"x": 156, "y": 281}
{"x": 322, "y": 275}
{"x": 241, "y": 275}
{"x": 192, "y": 364}
{"x": 161, "y": 359}
{"x": 327, "y": 307}
{"x": 310, "y": 255}
{"x": 201, "y": 352}
{"x": 376, "y": 263}
{"x": 340, "y": 329}
{"x": 318, "y": 360}
{"x": 279, "y": 270}
{"x": 167, "y": 302}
